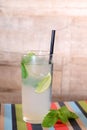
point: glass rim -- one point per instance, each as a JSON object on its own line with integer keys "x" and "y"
{"x": 38, "y": 52}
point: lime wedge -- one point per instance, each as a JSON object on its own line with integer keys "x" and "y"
{"x": 43, "y": 84}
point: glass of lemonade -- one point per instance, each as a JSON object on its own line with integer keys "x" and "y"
{"x": 36, "y": 85}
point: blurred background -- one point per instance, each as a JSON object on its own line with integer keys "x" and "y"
{"x": 26, "y": 25}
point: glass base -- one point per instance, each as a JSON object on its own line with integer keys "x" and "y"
{"x": 32, "y": 121}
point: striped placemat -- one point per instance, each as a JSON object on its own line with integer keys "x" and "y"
{"x": 13, "y": 117}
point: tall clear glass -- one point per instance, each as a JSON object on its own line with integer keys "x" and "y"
{"x": 36, "y": 85}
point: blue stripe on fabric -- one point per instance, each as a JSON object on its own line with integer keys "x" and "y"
{"x": 52, "y": 128}
{"x": 79, "y": 113}
{"x": 8, "y": 117}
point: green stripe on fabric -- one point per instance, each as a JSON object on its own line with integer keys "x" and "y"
{"x": 21, "y": 125}
{"x": 83, "y": 104}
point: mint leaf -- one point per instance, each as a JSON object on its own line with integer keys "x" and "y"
{"x": 24, "y": 71}
{"x": 67, "y": 114}
{"x": 63, "y": 117}
{"x": 50, "y": 119}
{"x": 26, "y": 59}
{"x": 62, "y": 114}
{"x": 73, "y": 115}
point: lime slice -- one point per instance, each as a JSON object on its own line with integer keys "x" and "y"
{"x": 43, "y": 84}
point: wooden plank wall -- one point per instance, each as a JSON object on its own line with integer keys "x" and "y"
{"x": 27, "y": 24}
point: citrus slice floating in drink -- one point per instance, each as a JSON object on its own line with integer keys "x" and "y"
{"x": 43, "y": 84}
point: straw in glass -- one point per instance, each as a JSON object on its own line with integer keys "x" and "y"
{"x": 52, "y": 45}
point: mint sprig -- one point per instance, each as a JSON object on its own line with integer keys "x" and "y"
{"x": 26, "y": 59}
{"x": 24, "y": 71}
{"x": 62, "y": 114}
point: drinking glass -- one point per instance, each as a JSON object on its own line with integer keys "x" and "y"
{"x": 36, "y": 85}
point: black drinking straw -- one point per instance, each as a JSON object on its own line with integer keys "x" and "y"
{"x": 52, "y": 45}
